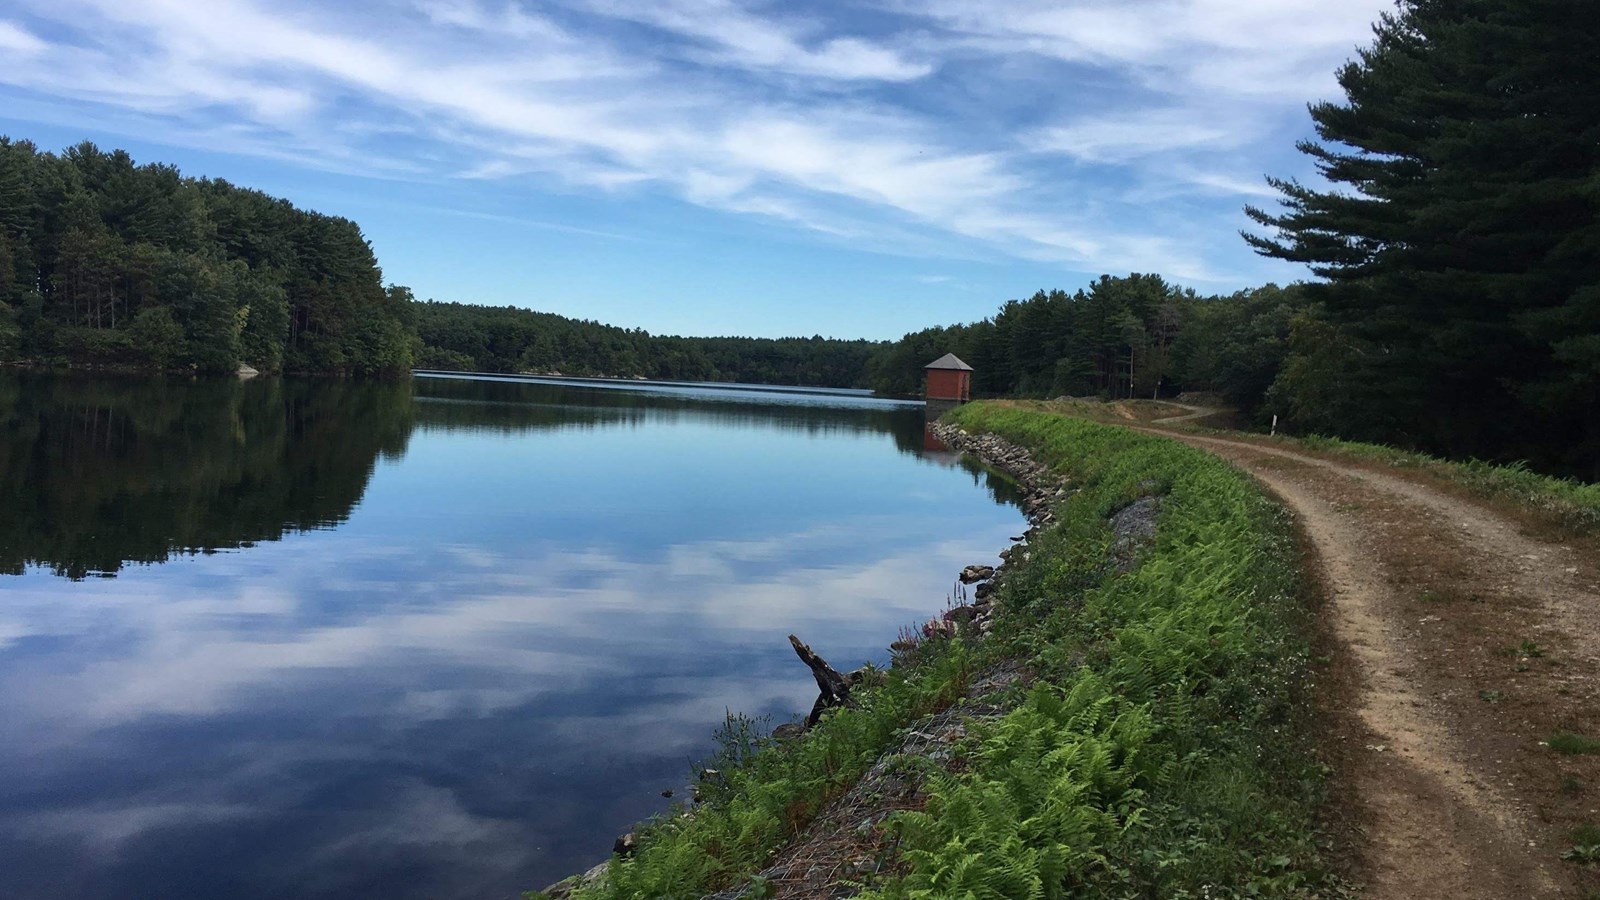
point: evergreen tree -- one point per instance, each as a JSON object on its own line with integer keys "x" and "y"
{"x": 92, "y": 245}
{"x": 1461, "y": 241}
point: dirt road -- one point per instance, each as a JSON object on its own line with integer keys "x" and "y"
{"x": 1459, "y": 642}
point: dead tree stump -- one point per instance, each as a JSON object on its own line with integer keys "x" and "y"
{"x": 833, "y": 689}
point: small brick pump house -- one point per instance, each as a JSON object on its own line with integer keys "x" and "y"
{"x": 949, "y": 379}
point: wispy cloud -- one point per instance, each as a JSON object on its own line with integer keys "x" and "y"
{"x": 17, "y": 40}
{"x": 859, "y": 125}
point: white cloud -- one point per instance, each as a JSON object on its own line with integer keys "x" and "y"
{"x": 15, "y": 39}
{"x": 729, "y": 35}
{"x": 1124, "y": 136}
{"x": 829, "y": 124}
{"x": 1285, "y": 47}
{"x": 508, "y": 20}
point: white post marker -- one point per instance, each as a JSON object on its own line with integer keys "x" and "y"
{"x": 1274, "y": 425}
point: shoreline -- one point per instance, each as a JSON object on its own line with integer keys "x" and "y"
{"x": 1041, "y": 489}
{"x": 1155, "y": 738}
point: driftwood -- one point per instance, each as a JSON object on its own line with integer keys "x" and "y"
{"x": 833, "y": 689}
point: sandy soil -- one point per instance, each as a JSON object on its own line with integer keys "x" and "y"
{"x": 1458, "y": 640}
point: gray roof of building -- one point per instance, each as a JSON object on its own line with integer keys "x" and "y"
{"x": 949, "y": 361}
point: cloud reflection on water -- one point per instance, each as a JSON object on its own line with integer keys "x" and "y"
{"x": 471, "y": 684}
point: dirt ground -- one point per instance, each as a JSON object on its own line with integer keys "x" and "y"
{"x": 1458, "y": 639}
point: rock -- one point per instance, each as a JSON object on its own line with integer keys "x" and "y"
{"x": 984, "y": 590}
{"x": 667, "y": 793}
{"x": 1133, "y": 528}
{"x": 960, "y": 615}
{"x": 788, "y": 731}
{"x": 625, "y": 845}
{"x": 564, "y": 888}
{"x": 561, "y": 890}
{"x": 976, "y": 573}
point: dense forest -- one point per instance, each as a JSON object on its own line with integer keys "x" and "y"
{"x": 104, "y": 262}
{"x": 465, "y": 337}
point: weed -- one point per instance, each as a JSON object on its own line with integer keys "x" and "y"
{"x": 1585, "y": 845}
{"x": 1490, "y": 696}
{"x": 1567, "y": 742}
{"x": 1525, "y": 650}
{"x": 1572, "y": 785}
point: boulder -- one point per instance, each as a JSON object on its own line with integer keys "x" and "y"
{"x": 976, "y": 573}
{"x": 788, "y": 731}
{"x": 960, "y": 615}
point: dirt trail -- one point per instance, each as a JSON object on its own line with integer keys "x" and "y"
{"x": 1459, "y": 643}
{"x": 1194, "y": 412}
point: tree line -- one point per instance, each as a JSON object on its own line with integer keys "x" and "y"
{"x": 104, "y": 262}
{"x": 1120, "y": 337}
{"x": 466, "y": 337}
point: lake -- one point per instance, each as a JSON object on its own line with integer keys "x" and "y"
{"x": 444, "y": 637}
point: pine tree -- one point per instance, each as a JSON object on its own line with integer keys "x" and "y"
{"x": 1461, "y": 241}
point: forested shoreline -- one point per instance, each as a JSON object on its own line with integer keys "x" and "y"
{"x": 105, "y": 263}
{"x": 469, "y": 338}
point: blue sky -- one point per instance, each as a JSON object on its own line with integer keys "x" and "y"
{"x": 718, "y": 166}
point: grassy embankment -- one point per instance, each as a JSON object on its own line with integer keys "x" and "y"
{"x": 1570, "y": 505}
{"x": 1161, "y": 752}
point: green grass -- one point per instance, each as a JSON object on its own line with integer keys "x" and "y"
{"x": 1574, "y": 505}
{"x": 1162, "y": 752}
{"x": 1567, "y": 742}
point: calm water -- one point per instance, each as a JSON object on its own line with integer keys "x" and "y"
{"x": 441, "y": 638}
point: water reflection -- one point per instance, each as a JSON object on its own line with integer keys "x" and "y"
{"x": 533, "y": 609}
{"x": 97, "y": 472}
